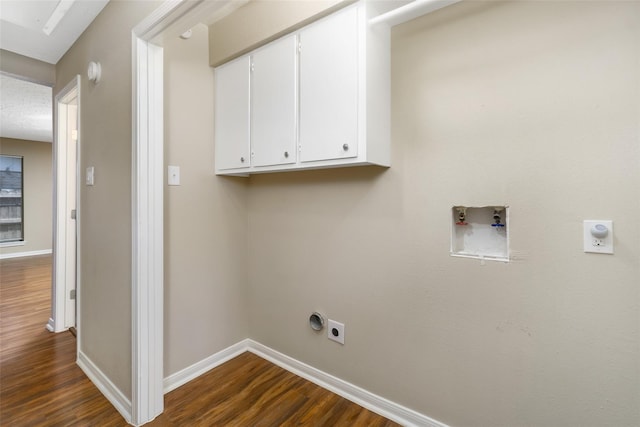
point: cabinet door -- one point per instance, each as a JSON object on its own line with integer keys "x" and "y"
{"x": 329, "y": 88}
{"x": 232, "y": 114}
{"x": 273, "y": 103}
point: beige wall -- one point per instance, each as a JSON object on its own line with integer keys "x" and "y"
{"x": 105, "y": 229}
{"x": 532, "y": 104}
{"x": 38, "y": 193}
{"x": 241, "y": 32}
{"x": 205, "y": 218}
{"x": 27, "y": 68}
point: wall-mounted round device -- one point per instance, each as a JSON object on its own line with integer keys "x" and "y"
{"x": 94, "y": 72}
{"x": 599, "y": 231}
{"x": 316, "y": 321}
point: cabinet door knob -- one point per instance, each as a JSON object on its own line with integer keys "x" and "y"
{"x": 286, "y": 154}
{"x": 242, "y": 159}
{"x": 345, "y": 147}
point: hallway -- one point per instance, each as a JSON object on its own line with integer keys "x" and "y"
{"x": 40, "y": 383}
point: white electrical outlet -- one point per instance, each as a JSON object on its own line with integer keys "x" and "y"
{"x": 598, "y": 236}
{"x": 335, "y": 331}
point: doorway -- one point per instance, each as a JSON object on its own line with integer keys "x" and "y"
{"x": 66, "y": 155}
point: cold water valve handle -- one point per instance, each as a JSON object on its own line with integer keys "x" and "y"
{"x": 497, "y": 220}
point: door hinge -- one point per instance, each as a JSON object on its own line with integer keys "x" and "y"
{"x": 73, "y": 214}
{"x": 252, "y": 67}
{"x": 72, "y": 294}
{"x": 299, "y": 47}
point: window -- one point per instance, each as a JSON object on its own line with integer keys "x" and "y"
{"x": 11, "y": 197}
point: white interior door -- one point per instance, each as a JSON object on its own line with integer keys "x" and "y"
{"x": 71, "y": 206}
{"x": 65, "y": 253}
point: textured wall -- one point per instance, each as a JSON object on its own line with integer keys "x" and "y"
{"x": 205, "y": 218}
{"x": 105, "y": 229}
{"x": 531, "y": 104}
{"x": 27, "y": 68}
{"x": 241, "y": 31}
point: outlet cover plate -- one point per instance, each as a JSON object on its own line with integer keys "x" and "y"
{"x": 592, "y": 244}
{"x": 335, "y": 331}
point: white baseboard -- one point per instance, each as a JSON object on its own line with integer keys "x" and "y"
{"x": 189, "y": 373}
{"x": 102, "y": 382}
{"x": 24, "y": 254}
{"x": 380, "y": 405}
{"x": 50, "y": 325}
{"x": 360, "y": 396}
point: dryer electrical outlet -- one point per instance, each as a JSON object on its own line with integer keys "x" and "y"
{"x": 335, "y": 331}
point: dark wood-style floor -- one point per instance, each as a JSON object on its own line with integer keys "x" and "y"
{"x": 41, "y": 385}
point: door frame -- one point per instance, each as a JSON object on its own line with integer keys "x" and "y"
{"x": 171, "y": 19}
{"x": 60, "y": 194}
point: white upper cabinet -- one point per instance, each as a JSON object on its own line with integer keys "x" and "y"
{"x": 329, "y": 88}
{"x": 274, "y": 103}
{"x": 232, "y": 115}
{"x": 316, "y": 98}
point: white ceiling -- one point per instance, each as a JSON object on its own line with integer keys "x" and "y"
{"x": 25, "y": 110}
{"x": 43, "y": 30}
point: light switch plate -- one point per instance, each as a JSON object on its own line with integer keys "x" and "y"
{"x": 89, "y": 179}
{"x": 173, "y": 175}
{"x": 597, "y": 243}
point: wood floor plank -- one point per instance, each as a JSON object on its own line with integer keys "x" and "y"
{"x": 41, "y": 385}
